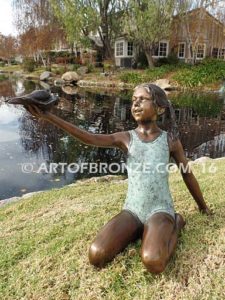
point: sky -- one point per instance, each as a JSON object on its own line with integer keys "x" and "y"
{"x": 6, "y": 18}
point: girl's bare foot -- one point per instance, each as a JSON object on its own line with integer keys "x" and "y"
{"x": 180, "y": 222}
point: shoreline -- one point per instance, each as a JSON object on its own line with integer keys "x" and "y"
{"x": 105, "y": 178}
{"x": 97, "y": 80}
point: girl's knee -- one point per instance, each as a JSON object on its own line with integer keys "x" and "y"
{"x": 153, "y": 263}
{"x": 97, "y": 255}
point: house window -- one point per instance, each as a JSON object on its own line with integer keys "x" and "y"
{"x": 200, "y": 51}
{"x": 222, "y": 54}
{"x": 130, "y": 48}
{"x": 119, "y": 48}
{"x": 161, "y": 49}
{"x": 215, "y": 52}
{"x": 181, "y": 50}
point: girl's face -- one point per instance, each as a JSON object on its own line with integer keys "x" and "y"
{"x": 143, "y": 109}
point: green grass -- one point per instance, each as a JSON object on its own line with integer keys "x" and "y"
{"x": 44, "y": 242}
{"x": 148, "y": 75}
{"x": 11, "y": 68}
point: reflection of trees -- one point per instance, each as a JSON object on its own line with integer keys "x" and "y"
{"x": 203, "y": 104}
{"x": 6, "y": 88}
{"x": 101, "y": 113}
{"x": 198, "y": 117}
{"x": 45, "y": 140}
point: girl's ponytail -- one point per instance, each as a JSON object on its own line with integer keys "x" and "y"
{"x": 173, "y": 130}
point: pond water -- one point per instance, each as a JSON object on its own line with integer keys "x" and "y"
{"x": 35, "y": 155}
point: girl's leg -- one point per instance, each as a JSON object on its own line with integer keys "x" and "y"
{"x": 114, "y": 237}
{"x": 160, "y": 240}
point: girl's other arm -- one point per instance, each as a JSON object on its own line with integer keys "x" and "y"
{"x": 177, "y": 153}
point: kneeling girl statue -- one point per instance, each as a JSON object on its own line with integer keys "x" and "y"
{"x": 148, "y": 212}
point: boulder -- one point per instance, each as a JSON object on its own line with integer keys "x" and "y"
{"x": 163, "y": 84}
{"x": 45, "y": 76}
{"x": 17, "y": 74}
{"x": 201, "y": 160}
{"x": 45, "y": 86}
{"x": 82, "y": 71}
{"x": 59, "y": 82}
{"x": 70, "y": 77}
{"x": 70, "y": 90}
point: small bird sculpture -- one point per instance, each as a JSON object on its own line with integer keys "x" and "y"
{"x": 41, "y": 98}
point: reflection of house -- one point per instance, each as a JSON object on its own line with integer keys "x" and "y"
{"x": 197, "y": 34}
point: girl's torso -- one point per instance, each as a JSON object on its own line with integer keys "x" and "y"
{"x": 147, "y": 167}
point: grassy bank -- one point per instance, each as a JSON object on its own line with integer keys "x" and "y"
{"x": 45, "y": 239}
{"x": 208, "y": 72}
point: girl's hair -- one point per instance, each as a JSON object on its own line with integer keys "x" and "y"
{"x": 160, "y": 99}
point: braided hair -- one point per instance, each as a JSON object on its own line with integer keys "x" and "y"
{"x": 160, "y": 100}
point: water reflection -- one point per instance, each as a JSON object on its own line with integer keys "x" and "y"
{"x": 23, "y": 139}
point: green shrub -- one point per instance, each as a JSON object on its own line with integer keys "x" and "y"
{"x": 59, "y": 70}
{"x": 208, "y": 71}
{"x": 90, "y": 68}
{"x": 29, "y": 65}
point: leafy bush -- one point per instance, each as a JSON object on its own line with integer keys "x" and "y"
{"x": 209, "y": 71}
{"x": 90, "y": 68}
{"x": 29, "y": 64}
{"x": 59, "y": 70}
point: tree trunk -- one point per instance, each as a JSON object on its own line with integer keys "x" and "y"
{"x": 148, "y": 54}
{"x": 42, "y": 58}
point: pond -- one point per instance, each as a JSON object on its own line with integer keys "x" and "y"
{"x": 35, "y": 155}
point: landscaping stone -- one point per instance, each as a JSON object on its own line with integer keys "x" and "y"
{"x": 45, "y": 85}
{"x": 45, "y": 75}
{"x": 70, "y": 77}
{"x": 17, "y": 74}
{"x": 163, "y": 84}
{"x": 59, "y": 82}
{"x": 70, "y": 90}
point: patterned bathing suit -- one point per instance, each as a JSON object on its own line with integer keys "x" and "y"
{"x": 147, "y": 166}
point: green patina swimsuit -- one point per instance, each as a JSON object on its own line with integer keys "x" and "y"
{"x": 147, "y": 166}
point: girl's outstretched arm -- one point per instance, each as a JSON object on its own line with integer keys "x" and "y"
{"x": 177, "y": 153}
{"x": 119, "y": 139}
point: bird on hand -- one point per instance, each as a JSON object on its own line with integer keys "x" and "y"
{"x": 41, "y": 98}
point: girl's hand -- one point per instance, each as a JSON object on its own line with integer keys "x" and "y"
{"x": 37, "y": 112}
{"x": 206, "y": 211}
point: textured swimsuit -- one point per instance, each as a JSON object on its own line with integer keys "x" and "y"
{"x": 148, "y": 189}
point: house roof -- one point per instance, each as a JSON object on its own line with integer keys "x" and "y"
{"x": 202, "y": 8}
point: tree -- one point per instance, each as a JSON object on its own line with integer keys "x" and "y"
{"x": 38, "y": 27}
{"x": 147, "y": 22}
{"x": 8, "y": 47}
{"x": 82, "y": 18}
